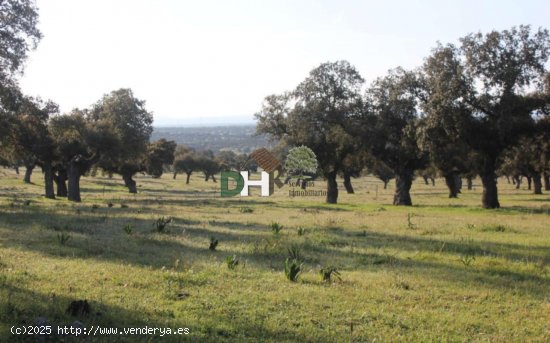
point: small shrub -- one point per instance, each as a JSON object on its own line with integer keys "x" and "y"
{"x": 95, "y": 207}
{"x": 410, "y": 224}
{"x": 467, "y": 259}
{"x": 294, "y": 253}
{"x": 495, "y": 228}
{"x": 326, "y": 273}
{"x": 128, "y": 228}
{"x": 293, "y": 268}
{"x": 246, "y": 210}
{"x": 470, "y": 226}
{"x": 63, "y": 238}
{"x": 232, "y": 262}
{"x": 110, "y": 204}
{"x": 161, "y": 224}
{"x": 79, "y": 308}
{"x": 401, "y": 283}
{"x": 27, "y": 202}
{"x": 276, "y": 228}
{"x": 123, "y": 206}
{"x": 301, "y": 231}
{"x": 213, "y": 243}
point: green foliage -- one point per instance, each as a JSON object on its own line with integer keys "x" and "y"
{"x": 19, "y": 34}
{"x": 276, "y": 228}
{"x": 301, "y": 231}
{"x": 232, "y": 262}
{"x": 327, "y": 272}
{"x": 301, "y": 161}
{"x": 161, "y": 224}
{"x": 159, "y": 154}
{"x": 246, "y": 210}
{"x": 293, "y": 268}
{"x": 63, "y": 238}
{"x": 294, "y": 252}
{"x": 213, "y": 243}
{"x": 316, "y": 114}
{"x": 128, "y": 228}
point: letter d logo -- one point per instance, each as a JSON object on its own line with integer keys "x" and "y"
{"x": 226, "y": 192}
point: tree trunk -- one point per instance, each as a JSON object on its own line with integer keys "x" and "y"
{"x": 537, "y": 184}
{"x": 450, "y": 181}
{"x": 489, "y": 198}
{"x": 425, "y": 177}
{"x": 17, "y": 170}
{"x": 213, "y": 178}
{"x": 529, "y": 181}
{"x": 206, "y": 177}
{"x": 175, "y": 173}
{"x": 130, "y": 183}
{"x": 403, "y": 183}
{"x": 332, "y": 188}
{"x": 433, "y": 181}
{"x": 48, "y": 180}
{"x": 508, "y": 179}
{"x": 347, "y": 184}
{"x": 546, "y": 181}
{"x": 73, "y": 174}
{"x": 28, "y": 173}
{"x": 61, "y": 183}
{"x": 517, "y": 180}
{"x": 386, "y": 183}
{"x": 470, "y": 183}
{"x": 458, "y": 183}
{"x": 188, "y": 177}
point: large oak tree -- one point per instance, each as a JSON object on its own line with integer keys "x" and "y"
{"x": 483, "y": 93}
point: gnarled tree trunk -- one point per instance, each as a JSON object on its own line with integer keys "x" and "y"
{"x": 130, "y": 183}
{"x": 425, "y": 177}
{"x": 470, "y": 183}
{"x": 451, "y": 182}
{"x": 546, "y": 181}
{"x": 347, "y": 184}
{"x": 48, "y": 180}
{"x": 73, "y": 176}
{"x": 517, "y": 180}
{"x": 529, "y": 182}
{"x": 332, "y": 188}
{"x": 386, "y": 183}
{"x": 28, "y": 172}
{"x": 537, "y": 183}
{"x": 188, "y": 177}
{"x": 489, "y": 198}
{"x": 403, "y": 183}
{"x": 61, "y": 183}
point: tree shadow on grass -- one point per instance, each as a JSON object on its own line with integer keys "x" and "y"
{"x": 22, "y": 306}
{"x": 93, "y": 238}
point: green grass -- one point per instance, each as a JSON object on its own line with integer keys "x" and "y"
{"x": 442, "y": 270}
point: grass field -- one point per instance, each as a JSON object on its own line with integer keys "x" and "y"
{"x": 444, "y": 270}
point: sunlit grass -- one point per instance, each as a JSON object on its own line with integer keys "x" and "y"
{"x": 458, "y": 273}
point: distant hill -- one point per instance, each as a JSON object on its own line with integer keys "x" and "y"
{"x": 239, "y": 138}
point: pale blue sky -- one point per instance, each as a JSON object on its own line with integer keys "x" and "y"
{"x": 203, "y": 60}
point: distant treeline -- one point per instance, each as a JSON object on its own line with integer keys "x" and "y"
{"x": 238, "y": 138}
